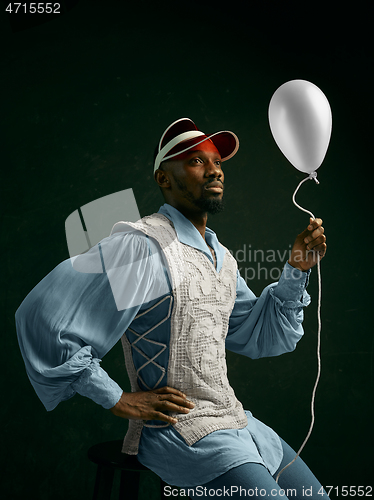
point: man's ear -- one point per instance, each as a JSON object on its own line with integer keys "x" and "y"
{"x": 162, "y": 178}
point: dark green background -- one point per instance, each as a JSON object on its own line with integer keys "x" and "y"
{"x": 85, "y": 97}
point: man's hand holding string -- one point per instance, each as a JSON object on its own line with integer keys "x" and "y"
{"x": 308, "y": 245}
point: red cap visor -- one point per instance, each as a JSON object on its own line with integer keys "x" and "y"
{"x": 207, "y": 145}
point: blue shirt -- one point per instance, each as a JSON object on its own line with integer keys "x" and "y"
{"x": 73, "y": 317}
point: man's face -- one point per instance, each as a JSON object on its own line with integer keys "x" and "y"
{"x": 196, "y": 181}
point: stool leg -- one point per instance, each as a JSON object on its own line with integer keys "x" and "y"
{"x": 103, "y": 483}
{"x": 129, "y": 486}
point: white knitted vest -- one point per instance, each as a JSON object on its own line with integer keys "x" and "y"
{"x": 203, "y": 301}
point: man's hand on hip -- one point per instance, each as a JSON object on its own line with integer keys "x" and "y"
{"x": 151, "y": 405}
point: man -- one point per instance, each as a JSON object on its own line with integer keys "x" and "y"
{"x": 176, "y": 292}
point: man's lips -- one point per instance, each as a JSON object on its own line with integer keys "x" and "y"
{"x": 215, "y": 186}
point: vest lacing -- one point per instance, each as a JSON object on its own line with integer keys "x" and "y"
{"x": 152, "y": 361}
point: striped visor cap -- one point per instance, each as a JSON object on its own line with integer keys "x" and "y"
{"x": 182, "y": 135}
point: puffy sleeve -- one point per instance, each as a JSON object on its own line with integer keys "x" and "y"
{"x": 271, "y": 324}
{"x": 76, "y": 314}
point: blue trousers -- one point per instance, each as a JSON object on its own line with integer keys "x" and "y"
{"x": 255, "y": 481}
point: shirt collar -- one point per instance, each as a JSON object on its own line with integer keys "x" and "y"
{"x": 189, "y": 235}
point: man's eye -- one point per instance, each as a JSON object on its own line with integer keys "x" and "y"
{"x": 196, "y": 160}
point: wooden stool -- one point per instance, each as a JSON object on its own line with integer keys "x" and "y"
{"x": 109, "y": 458}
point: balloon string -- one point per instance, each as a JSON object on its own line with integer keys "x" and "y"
{"x": 313, "y": 175}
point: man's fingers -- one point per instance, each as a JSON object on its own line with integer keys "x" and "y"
{"x": 170, "y": 403}
{"x": 165, "y": 418}
{"x": 314, "y": 223}
{"x": 320, "y": 249}
{"x": 316, "y": 232}
{"x": 173, "y": 395}
{"x": 309, "y": 235}
{"x": 170, "y": 399}
{"x": 153, "y": 405}
{"x": 176, "y": 401}
{"x": 166, "y": 405}
{"x": 169, "y": 390}
{"x": 314, "y": 235}
{"x": 313, "y": 243}
{"x": 312, "y": 240}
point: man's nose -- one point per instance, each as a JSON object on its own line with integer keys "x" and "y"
{"x": 214, "y": 169}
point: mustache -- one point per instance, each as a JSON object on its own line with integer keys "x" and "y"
{"x": 215, "y": 182}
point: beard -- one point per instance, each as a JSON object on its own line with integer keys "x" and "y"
{"x": 210, "y": 205}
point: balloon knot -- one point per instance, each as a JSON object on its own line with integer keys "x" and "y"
{"x": 313, "y": 175}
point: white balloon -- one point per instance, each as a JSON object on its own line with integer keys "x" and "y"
{"x": 300, "y": 121}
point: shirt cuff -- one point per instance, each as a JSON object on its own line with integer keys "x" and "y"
{"x": 292, "y": 284}
{"x": 95, "y": 383}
